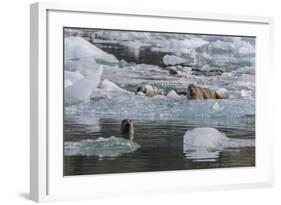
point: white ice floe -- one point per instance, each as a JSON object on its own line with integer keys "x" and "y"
{"x": 205, "y": 144}
{"x": 82, "y": 89}
{"x": 206, "y": 137}
{"x": 173, "y": 94}
{"x": 108, "y": 89}
{"x": 110, "y": 86}
{"x": 173, "y": 60}
{"x": 77, "y": 48}
{"x": 140, "y": 93}
{"x": 193, "y": 42}
{"x": 187, "y": 70}
{"x": 223, "y": 92}
{"x": 246, "y": 93}
{"x": 213, "y": 138}
{"x": 237, "y": 47}
{"x": 101, "y": 147}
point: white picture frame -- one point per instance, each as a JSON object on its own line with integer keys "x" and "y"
{"x": 46, "y": 179}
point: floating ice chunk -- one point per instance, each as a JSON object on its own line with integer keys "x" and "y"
{"x": 245, "y": 93}
{"x": 108, "y": 85}
{"x": 223, "y": 92}
{"x": 101, "y": 147}
{"x": 77, "y": 48}
{"x": 173, "y": 94}
{"x": 187, "y": 70}
{"x": 81, "y": 90}
{"x": 71, "y": 77}
{"x": 205, "y": 136}
{"x": 205, "y": 144}
{"x": 213, "y": 138}
{"x": 108, "y": 89}
{"x": 140, "y": 93}
{"x": 122, "y": 63}
{"x": 194, "y": 42}
{"x": 173, "y": 60}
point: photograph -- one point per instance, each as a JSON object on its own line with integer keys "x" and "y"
{"x": 146, "y": 101}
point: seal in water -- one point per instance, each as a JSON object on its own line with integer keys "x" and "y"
{"x": 199, "y": 93}
{"x": 127, "y": 128}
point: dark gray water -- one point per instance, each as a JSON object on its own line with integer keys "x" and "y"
{"x": 161, "y": 149}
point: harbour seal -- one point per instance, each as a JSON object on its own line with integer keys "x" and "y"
{"x": 127, "y": 128}
{"x": 148, "y": 90}
{"x": 199, "y": 93}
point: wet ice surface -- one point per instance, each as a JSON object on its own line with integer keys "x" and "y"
{"x": 205, "y": 144}
{"x": 223, "y": 113}
{"x": 101, "y": 147}
{"x": 102, "y": 72}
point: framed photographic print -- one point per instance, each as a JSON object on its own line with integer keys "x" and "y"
{"x": 127, "y": 102}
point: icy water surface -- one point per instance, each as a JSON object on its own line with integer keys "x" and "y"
{"x": 102, "y": 71}
{"x": 159, "y": 137}
{"x": 161, "y": 148}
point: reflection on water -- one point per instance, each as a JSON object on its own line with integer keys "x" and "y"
{"x": 161, "y": 148}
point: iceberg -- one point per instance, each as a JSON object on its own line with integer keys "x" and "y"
{"x": 205, "y": 143}
{"x": 108, "y": 89}
{"x": 213, "y": 138}
{"x": 71, "y": 77}
{"x": 101, "y": 147}
{"x": 82, "y": 89}
{"x": 110, "y": 86}
{"x": 192, "y": 59}
{"x": 206, "y": 137}
{"x": 77, "y": 48}
{"x": 173, "y": 60}
{"x": 82, "y": 64}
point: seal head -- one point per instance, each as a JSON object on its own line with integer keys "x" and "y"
{"x": 127, "y": 128}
